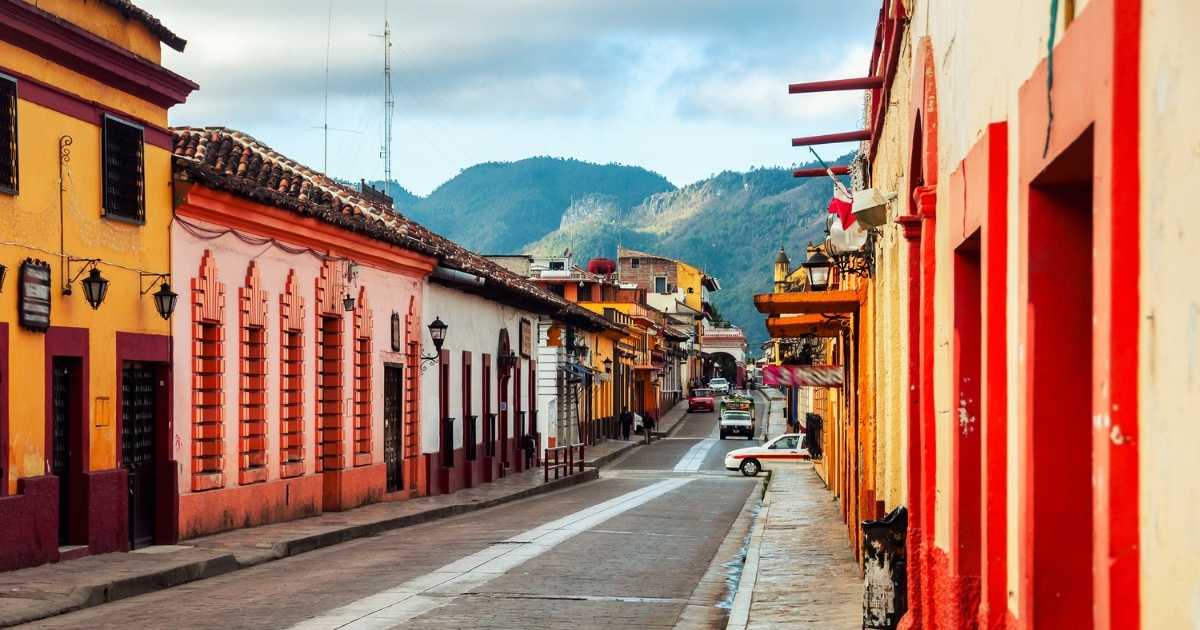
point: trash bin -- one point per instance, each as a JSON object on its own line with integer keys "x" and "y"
{"x": 885, "y": 570}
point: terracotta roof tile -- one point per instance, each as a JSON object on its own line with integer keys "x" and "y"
{"x": 232, "y": 161}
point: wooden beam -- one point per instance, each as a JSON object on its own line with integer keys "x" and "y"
{"x": 820, "y": 172}
{"x": 860, "y": 83}
{"x": 808, "y": 302}
{"x": 832, "y": 138}
{"x": 803, "y": 325}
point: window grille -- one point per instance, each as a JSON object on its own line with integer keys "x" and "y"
{"x": 124, "y": 181}
{"x": 8, "y": 135}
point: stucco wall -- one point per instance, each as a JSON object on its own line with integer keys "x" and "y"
{"x": 385, "y": 292}
{"x": 474, "y": 326}
{"x": 31, "y": 219}
{"x": 1169, "y": 377}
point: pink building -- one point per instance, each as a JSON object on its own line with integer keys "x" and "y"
{"x": 297, "y": 343}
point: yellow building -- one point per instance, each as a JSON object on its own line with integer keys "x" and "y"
{"x": 85, "y": 208}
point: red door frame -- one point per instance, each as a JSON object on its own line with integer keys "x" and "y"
{"x": 978, "y": 203}
{"x": 67, "y": 342}
{"x": 1097, "y": 87}
{"x": 5, "y": 469}
{"x": 153, "y": 349}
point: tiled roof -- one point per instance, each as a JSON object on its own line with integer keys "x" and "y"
{"x": 232, "y": 161}
{"x": 164, "y": 34}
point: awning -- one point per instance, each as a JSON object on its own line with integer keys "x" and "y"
{"x": 803, "y": 375}
{"x": 808, "y": 302}
{"x": 805, "y": 325}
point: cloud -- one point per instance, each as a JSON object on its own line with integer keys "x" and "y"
{"x": 628, "y": 68}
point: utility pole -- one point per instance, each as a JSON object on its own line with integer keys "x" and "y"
{"x": 389, "y": 103}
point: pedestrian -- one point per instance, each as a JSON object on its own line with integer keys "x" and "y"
{"x": 530, "y": 446}
{"x": 626, "y": 423}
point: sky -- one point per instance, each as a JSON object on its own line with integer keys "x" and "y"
{"x": 686, "y": 88}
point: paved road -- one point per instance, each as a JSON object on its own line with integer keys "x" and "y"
{"x": 626, "y": 551}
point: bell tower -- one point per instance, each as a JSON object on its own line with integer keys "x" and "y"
{"x": 782, "y": 269}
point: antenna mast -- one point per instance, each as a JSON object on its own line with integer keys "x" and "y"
{"x": 389, "y": 103}
{"x": 325, "y": 124}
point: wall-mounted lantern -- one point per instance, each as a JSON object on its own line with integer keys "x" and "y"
{"x": 164, "y": 298}
{"x": 348, "y": 303}
{"x": 608, "y": 363}
{"x": 95, "y": 288}
{"x": 437, "y": 332}
{"x": 817, "y": 265}
{"x": 397, "y": 333}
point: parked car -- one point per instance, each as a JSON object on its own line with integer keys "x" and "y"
{"x": 783, "y": 450}
{"x": 701, "y": 400}
{"x": 718, "y": 385}
{"x": 736, "y": 421}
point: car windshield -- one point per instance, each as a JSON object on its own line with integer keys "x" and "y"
{"x": 699, "y": 393}
{"x": 740, "y": 416}
{"x": 718, "y": 381}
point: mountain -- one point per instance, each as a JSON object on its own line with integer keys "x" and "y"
{"x": 499, "y": 207}
{"x": 731, "y": 224}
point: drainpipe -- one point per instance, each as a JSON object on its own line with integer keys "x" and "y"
{"x": 454, "y": 276}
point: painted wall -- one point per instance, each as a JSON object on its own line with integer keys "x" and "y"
{"x": 474, "y": 326}
{"x": 386, "y": 292}
{"x": 1169, "y": 379}
{"x": 100, "y": 19}
{"x": 29, "y": 223}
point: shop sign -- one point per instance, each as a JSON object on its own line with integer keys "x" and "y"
{"x": 34, "y": 302}
{"x": 526, "y": 338}
{"x": 803, "y": 375}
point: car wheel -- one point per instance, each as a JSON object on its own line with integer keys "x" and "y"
{"x": 750, "y": 467}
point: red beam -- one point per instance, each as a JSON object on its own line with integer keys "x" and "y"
{"x": 861, "y": 83}
{"x": 820, "y": 172}
{"x": 831, "y": 138}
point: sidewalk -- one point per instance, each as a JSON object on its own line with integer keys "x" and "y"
{"x": 53, "y": 589}
{"x": 799, "y": 571}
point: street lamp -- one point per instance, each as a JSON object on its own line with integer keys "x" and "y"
{"x": 95, "y": 287}
{"x": 164, "y": 300}
{"x": 348, "y": 303}
{"x": 437, "y": 332}
{"x": 581, "y": 350}
{"x": 608, "y": 366}
{"x": 817, "y": 265}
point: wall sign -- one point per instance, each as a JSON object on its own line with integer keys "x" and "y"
{"x": 34, "y": 302}
{"x": 803, "y": 375}
{"x": 397, "y": 333}
{"x": 526, "y": 338}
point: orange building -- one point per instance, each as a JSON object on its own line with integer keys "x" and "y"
{"x": 85, "y": 205}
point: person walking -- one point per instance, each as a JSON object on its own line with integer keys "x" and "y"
{"x": 529, "y": 444}
{"x": 626, "y": 423}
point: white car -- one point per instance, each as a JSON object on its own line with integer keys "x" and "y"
{"x": 782, "y": 450}
{"x": 718, "y": 385}
{"x": 739, "y": 422}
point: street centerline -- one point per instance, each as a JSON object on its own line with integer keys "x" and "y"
{"x": 394, "y": 606}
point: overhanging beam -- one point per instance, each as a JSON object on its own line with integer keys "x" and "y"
{"x": 820, "y": 172}
{"x": 833, "y": 138}
{"x": 860, "y": 83}
{"x": 810, "y": 302}
{"x": 803, "y": 325}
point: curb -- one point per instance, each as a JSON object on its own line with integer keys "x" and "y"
{"x": 94, "y": 595}
{"x": 739, "y": 612}
{"x": 605, "y": 459}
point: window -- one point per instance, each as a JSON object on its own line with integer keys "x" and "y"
{"x": 557, "y": 265}
{"x": 291, "y": 380}
{"x": 788, "y": 442}
{"x": 468, "y": 418}
{"x": 124, "y": 180}
{"x": 253, "y": 407}
{"x": 8, "y": 135}
{"x": 329, "y": 393}
{"x": 208, "y": 371}
{"x": 363, "y": 325}
{"x": 635, "y": 262}
{"x": 660, "y": 284}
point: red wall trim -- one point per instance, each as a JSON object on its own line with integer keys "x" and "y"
{"x": 4, "y": 464}
{"x": 1097, "y": 73}
{"x": 63, "y": 102}
{"x": 72, "y": 342}
{"x": 74, "y": 48}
